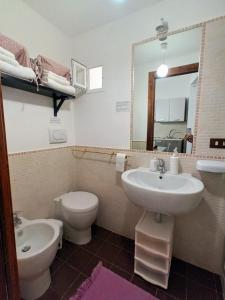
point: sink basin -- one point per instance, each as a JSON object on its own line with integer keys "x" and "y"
{"x": 166, "y": 194}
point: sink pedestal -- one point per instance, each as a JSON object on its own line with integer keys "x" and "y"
{"x": 154, "y": 248}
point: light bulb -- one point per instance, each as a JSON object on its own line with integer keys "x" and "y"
{"x": 162, "y": 70}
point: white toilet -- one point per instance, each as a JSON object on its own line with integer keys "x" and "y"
{"x": 78, "y": 211}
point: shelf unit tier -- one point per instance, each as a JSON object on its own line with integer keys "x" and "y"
{"x": 151, "y": 275}
{"x": 162, "y": 231}
{"x": 151, "y": 251}
{"x": 154, "y": 245}
{"x": 158, "y": 262}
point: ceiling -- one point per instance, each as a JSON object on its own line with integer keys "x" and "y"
{"x": 181, "y": 44}
{"x": 77, "y": 16}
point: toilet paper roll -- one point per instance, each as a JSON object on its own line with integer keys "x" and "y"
{"x": 120, "y": 162}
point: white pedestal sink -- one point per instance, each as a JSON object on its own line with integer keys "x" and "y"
{"x": 166, "y": 194}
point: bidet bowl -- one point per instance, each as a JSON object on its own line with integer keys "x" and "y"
{"x": 36, "y": 246}
{"x": 166, "y": 194}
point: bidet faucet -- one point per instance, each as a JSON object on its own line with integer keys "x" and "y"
{"x": 161, "y": 166}
{"x": 16, "y": 219}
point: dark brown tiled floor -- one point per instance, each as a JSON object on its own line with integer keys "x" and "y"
{"x": 73, "y": 264}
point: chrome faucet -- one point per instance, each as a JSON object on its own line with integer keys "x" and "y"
{"x": 171, "y": 133}
{"x": 16, "y": 219}
{"x": 161, "y": 166}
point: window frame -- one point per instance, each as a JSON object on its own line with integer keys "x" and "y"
{"x": 75, "y": 63}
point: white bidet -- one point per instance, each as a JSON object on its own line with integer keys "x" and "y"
{"x": 36, "y": 246}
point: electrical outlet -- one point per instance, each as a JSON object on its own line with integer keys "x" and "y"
{"x": 217, "y": 143}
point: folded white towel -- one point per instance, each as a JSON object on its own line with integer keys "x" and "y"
{"x": 9, "y": 60}
{"x": 19, "y": 71}
{"x": 7, "y": 53}
{"x": 59, "y": 87}
{"x": 54, "y": 75}
{"x": 59, "y": 79}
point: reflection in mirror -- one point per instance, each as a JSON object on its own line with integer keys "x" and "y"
{"x": 164, "y": 107}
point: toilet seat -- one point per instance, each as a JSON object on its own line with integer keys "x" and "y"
{"x": 79, "y": 202}
{"x": 78, "y": 211}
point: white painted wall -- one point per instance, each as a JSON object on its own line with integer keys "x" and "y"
{"x": 27, "y": 119}
{"x": 174, "y": 87}
{"x": 27, "y": 115}
{"x": 20, "y": 22}
{"x": 96, "y": 122}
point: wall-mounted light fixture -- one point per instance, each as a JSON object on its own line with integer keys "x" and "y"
{"x": 163, "y": 69}
{"x": 162, "y": 32}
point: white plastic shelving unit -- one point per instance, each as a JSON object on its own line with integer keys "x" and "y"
{"x": 153, "y": 248}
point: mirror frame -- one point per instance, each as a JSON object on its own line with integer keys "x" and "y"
{"x": 154, "y": 38}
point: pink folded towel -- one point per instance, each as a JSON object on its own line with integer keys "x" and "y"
{"x": 17, "y": 49}
{"x": 42, "y": 63}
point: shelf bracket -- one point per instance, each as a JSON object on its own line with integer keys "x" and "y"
{"x": 57, "y": 103}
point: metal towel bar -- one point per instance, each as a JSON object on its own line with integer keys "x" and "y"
{"x": 98, "y": 152}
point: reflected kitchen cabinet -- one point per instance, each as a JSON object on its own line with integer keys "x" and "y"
{"x": 177, "y": 110}
{"x": 170, "y": 110}
{"x": 162, "y": 110}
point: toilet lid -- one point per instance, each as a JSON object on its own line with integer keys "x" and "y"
{"x": 79, "y": 201}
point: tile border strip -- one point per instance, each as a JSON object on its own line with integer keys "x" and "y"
{"x": 29, "y": 152}
{"x": 108, "y": 149}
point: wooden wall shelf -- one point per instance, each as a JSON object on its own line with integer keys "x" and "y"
{"x": 31, "y": 87}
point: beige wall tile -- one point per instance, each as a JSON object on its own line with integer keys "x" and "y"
{"x": 37, "y": 178}
{"x": 211, "y": 107}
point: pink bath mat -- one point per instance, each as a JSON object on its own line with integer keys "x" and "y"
{"x": 103, "y": 284}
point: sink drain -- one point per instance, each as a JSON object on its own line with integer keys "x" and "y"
{"x": 26, "y": 248}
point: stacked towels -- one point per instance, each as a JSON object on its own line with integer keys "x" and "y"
{"x": 52, "y": 74}
{"x": 57, "y": 82}
{"x": 48, "y": 75}
{"x": 15, "y": 61}
{"x": 8, "y": 57}
{"x": 9, "y": 65}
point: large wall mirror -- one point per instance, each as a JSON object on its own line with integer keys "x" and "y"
{"x": 165, "y": 101}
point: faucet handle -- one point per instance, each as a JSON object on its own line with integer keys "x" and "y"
{"x": 16, "y": 213}
{"x": 16, "y": 219}
{"x": 161, "y": 162}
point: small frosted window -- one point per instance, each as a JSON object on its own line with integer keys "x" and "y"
{"x": 95, "y": 78}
